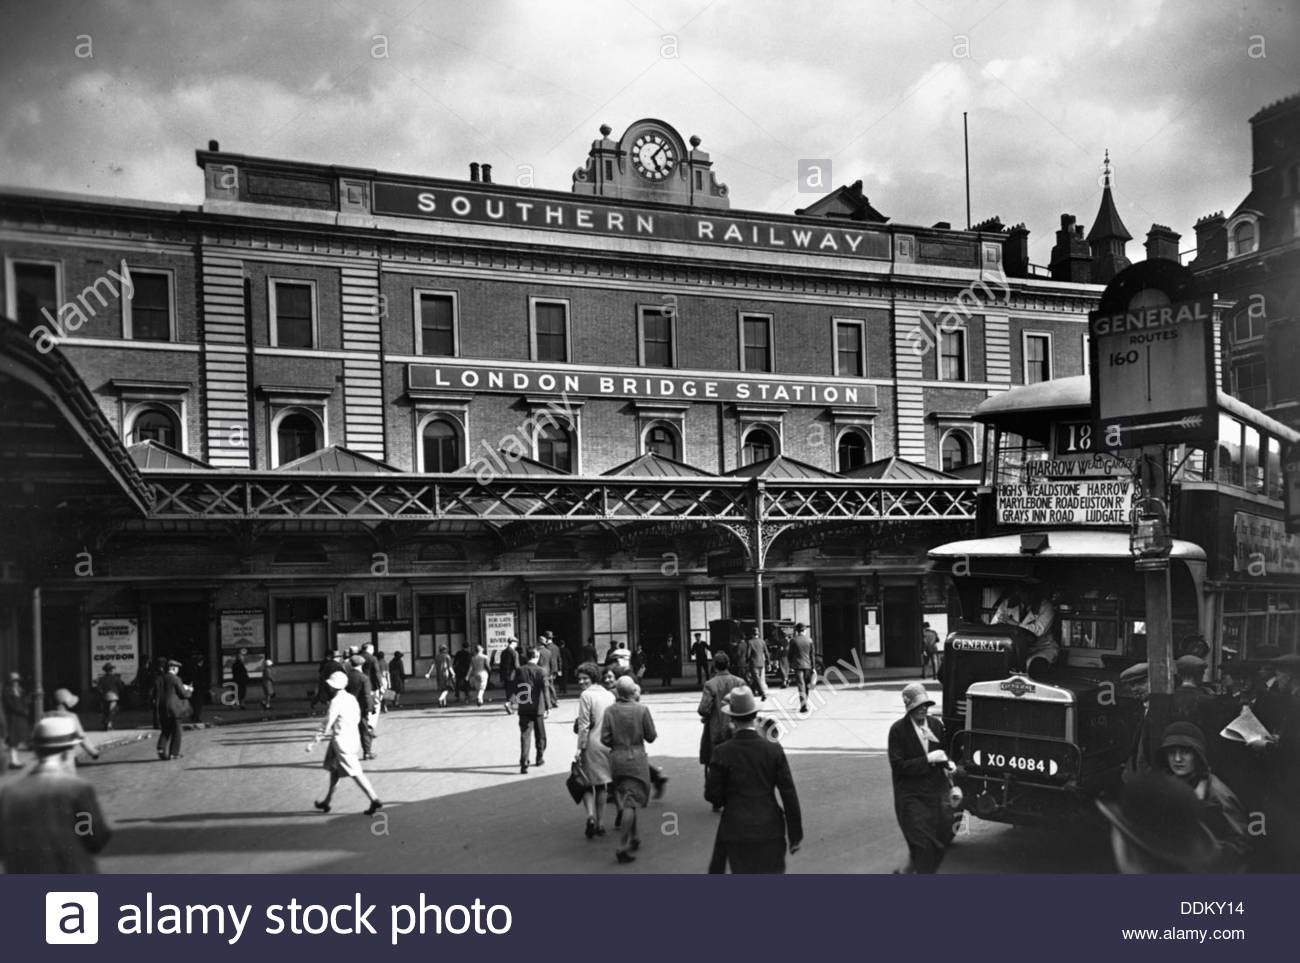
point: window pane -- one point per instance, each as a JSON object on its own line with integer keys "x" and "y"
{"x": 758, "y": 353}
{"x": 952, "y": 356}
{"x": 150, "y": 307}
{"x": 662, "y": 442}
{"x": 297, "y": 437}
{"x": 759, "y": 446}
{"x": 550, "y": 330}
{"x": 848, "y": 349}
{"x": 35, "y": 287}
{"x": 656, "y": 339}
{"x": 956, "y": 450}
{"x": 155, "y": 425}
{"x": 437, "y": 331}
{"x": 1037, "y": 365}
{"x": 440, "y": 623}
{"x": 441, "y": 447}
{"x": 852, "y": 451}
{"x": 293, "y": 327}
{"x": 553, "y": 448}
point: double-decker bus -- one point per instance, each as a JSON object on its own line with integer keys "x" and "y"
{"x": 1040, "y": 724}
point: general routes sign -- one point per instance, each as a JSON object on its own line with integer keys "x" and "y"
{"x": 1153, "y": 375}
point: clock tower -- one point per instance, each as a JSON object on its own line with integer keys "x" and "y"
{"x": 650, "y": 163}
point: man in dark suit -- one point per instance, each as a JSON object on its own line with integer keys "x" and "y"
{"x": 173, "y": 707}
{"x": 359, "y": 688}
{"x": 507, "y": 664}
{"x": 710, "y": 708}
{"x": 919, "y": 764}
{"x": 743, "y": 777}
{"x": 532, "y": 699}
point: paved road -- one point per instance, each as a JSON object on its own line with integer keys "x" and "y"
{"x": 240, "y": 799}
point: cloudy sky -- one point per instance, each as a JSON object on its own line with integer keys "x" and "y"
{"x": 114, "y": 97}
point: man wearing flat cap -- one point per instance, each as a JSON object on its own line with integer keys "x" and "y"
{"x": 359, "y": 688}
{"x": 1191, "y": 701}
{"x": 173, "y": 706}
{"x": 1135, "y": 681}
{"x": 50, "y": 820}
{"x": 744, "y": 776}
{"x": 919, "y": 766}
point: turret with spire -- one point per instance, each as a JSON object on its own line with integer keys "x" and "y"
{"x": 1108, "y": 235}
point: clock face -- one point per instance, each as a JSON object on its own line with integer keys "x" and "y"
{"x": 653, "y": 156}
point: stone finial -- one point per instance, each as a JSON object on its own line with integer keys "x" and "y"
{"x": 695, "y": 140}
{"x": 606, "y": 130}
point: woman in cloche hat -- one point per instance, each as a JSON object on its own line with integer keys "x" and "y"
{"x": 919, "y": 766}
{"x": 342, "y": 728}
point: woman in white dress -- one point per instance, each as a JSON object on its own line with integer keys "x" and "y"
{"x": 343, "y": 758}
{"x": 592, "y": 755}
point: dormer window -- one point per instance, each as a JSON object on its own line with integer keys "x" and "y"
{"x": 1243, "y": 235}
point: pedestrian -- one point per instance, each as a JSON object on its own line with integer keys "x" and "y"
{"x": 589, "y": 651}
{"x": 701, "y": 656}
{"x": 563, "y": 664}
{"x": 446, "y": 673}
{"x": 1135, "y": 682}
{"x": 625, "y": 730}
{"x": 173, "y": 709}
{"x": 358, "y": 686}
{"x": 50, "y": 820}
{"x": 929, "y": 650}
{"x": 801, "y": 663}
{"x": 478, "y": 672}
{"x": 239, "y": 676}
{"x": 532, "y": 701}
{"x": 18, "y": 712}
{"x": 64, "y": 705}
{"x": 397, "y": 678}
{"x": 268, "y": 683}
{"x": 744, "y": 777}
{"x": 1182, "y": 755}
{"x": 333, "y": 662}
{"x": 155, "y": 694}
{"x": 460, "y": 664}
{"x": 196, "y": 672}
{"x": 507, "y": 663}
{"x": 373, "y": 671}
{"x": 593, "y": 755}
{"x": 1191, "y": 701}
{"x": 919, "y": 766}
{"x": 756, "y": 652}
{"x": 549, "y": 659}
{"x": 343, "y": 727}
{"x": 619, "y": 656}
{"x": 109, "y": 686}
{"x": 710, "y": 709}
{"x": 385, "y": 680}
{"x": 668, "y": 661}
{"x": 1156, "y": 827}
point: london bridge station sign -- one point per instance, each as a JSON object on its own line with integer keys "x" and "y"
{"x": 587, "y": 217}
{"x": 657, "y": 386}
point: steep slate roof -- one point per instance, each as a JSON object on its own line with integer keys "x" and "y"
{"x": 150, "y": 454}
{"x": 898, "y": 468}
{"x": 337, "y": 460}
{"x": 848, "y": 203}
{"x": 781, "y": 467}
{"x": 1107, "y": 222}
{"x": 651, "y": 464}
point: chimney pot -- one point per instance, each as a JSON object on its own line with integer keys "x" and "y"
{"x": 487, "y": 173}
{"x": 213, "y": 146}
{"x": 473, "y": 170}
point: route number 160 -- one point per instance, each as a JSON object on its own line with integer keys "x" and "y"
{"x": 1125, "y": 357}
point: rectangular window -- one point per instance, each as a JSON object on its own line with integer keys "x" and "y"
{"x": 293, "y": 314}
{"x": 354, "y": 608}
{"x": 300, "y": 628}
{"x": 608, "y": 623}
{"x": 702, "y": 612}
{"x": 656, "y": 338}
{"x": 1038, "y": 358}
{"x": 440, "y": 623}
{"x": 848, "y": 350}
{"x": 388, "y": 605}
{"x": 33, "y": 285}
{"x": 550, "y": 330}
{"x": 436, "y": 324}
{"x": 952, "y": 355}
{"x": 1250, "y": 380}
{"x": 796, "y": 609}
{"x": 149, "y": 309}
{"x": 756, "y": 343}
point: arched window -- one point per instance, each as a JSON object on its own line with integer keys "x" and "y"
{"x": 661, "y": 440}
{"x": 759, "y": 446}
{"x": 440, "y": 446}
{"x": 853, "y": 451}
{"x": 1243, "y": 238}
{"x": 555, "y": 448}
{"x": 156, "y": 424}
{"x": 297, "y": 435}
{"x": 955, "y": 450}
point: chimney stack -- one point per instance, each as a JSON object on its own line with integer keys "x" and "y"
{"x": 1015, "y": 252}
{"x": 213, "y": 146}
{"x": 1162, "y": 243}
{"x": 1071, "y": 256}
{"x": 1211, "y": 241}
{"x": 473, "y": 170}
{"x": 487, "y": 173}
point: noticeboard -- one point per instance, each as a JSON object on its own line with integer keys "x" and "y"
{"x": 1151, "y": 360}
{"x": 115, "y": 639}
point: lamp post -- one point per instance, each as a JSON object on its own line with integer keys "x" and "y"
{"x": 1150, "y": 544}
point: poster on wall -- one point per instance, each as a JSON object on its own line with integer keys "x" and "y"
{"x": 499, "y": 624}
{"x": 871, "y": 631}
{"x": 243, "y": 629}
{"x": 115, "y": 639}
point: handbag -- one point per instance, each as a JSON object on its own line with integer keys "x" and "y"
{"x": 577, "y": 784}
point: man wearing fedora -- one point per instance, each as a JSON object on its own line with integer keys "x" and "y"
{"x": 50, "y": 820}
{"x": 744, "y": 776}
{"x": 172, "y": 707}
{"x": 919, "y": 766}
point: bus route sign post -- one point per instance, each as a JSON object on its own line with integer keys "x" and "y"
{"x": 1151, "y": 361}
